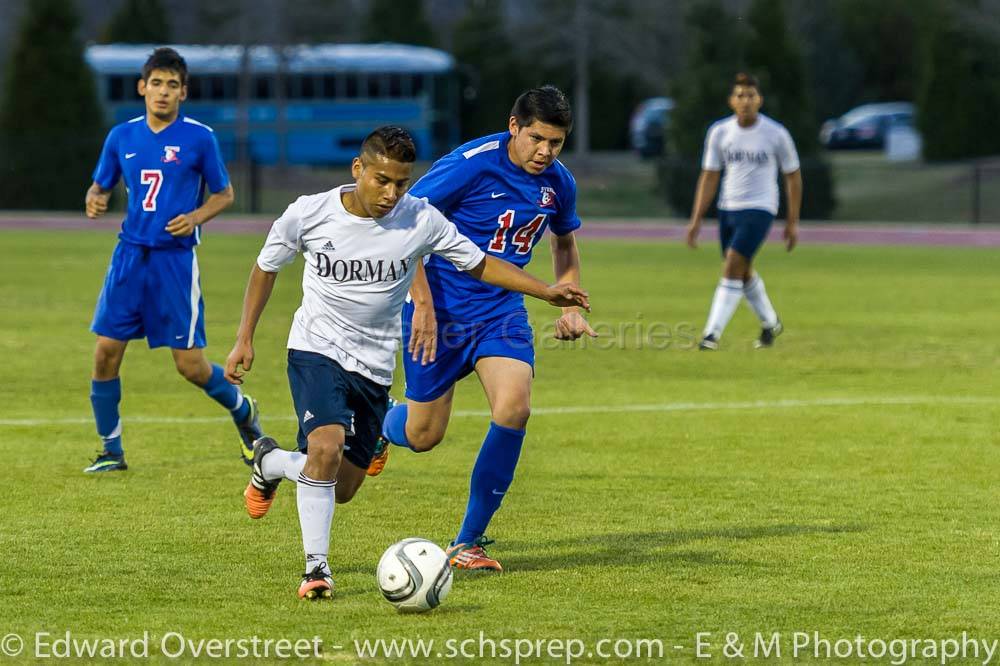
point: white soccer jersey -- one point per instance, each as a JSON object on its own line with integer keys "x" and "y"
{"x": 751, "y": 157}
{"x": 357, "y": 273}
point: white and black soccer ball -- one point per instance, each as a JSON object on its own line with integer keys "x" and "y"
{"x": 414, "y": 575}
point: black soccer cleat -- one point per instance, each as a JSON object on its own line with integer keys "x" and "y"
{"x": 107, "y": 462}
{"x": 767, "y": 336}
{"x": 259, "y": 493}
{"x": 708, "y": 343}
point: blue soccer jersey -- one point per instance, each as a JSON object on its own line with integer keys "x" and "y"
{"x": 503, "y": 209}
{"x": 165, "y": 172}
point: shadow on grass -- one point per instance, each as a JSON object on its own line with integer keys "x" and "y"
{"x": 625, "y": 549}
{"x": 631, "y": 549}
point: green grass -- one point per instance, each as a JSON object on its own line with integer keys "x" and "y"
{"x": 872, "y": 516}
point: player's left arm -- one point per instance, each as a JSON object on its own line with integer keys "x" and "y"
{"x": 186, "y": 223}
{"x": 791, "y": 168}
{"x": 566, "y": 267}
{"x": 793, "y": 197}
{"x": 213, "y": 171}
{"x": 505, "y": 274}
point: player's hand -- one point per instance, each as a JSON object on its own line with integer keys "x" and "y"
{"x": 791, "y": 236}
{"x": 423, "y": 335}
{"x": 96, "y": 204}
{"x": 693, "y": 228}
{"x": 567, "y": 295}
{"x": 572, "y": 326}
{"x": 182, "y": 225}
{"x": 241, "y": 356}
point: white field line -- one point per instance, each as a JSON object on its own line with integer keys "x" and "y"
{"x": 584, "y": 409}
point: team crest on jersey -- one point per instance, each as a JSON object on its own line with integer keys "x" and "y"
{"x": 547, "y": 198}
{"x": 170, "y": 154}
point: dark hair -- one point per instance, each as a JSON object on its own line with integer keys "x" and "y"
{"x": 747, "y": 80}
{"x": 547, "y": 104}
{"x": 168, "y": 59}
{"x": 392, "y": 142}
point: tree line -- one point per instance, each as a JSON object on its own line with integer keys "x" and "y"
{"x": 815, "y": 60}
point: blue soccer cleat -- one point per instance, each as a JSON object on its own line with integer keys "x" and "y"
{"x": 107, "y": 462}
{"x": 250, "y": 431}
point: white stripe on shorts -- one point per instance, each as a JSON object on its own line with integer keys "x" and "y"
{"x": 195, "y": 297}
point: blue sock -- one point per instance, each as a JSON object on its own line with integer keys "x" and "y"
{"x": 227, "y": 395}
{"x": 491, "y": 477}
{"x": 394, "y": 426}
{"x": 104, "y": 397}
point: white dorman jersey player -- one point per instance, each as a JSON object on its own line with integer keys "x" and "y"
{"x": 748, "y": 149}
{"x": 358, "y": 271}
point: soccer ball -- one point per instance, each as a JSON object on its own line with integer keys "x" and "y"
{"x": 414, "y": 575}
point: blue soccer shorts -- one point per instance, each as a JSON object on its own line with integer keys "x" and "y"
{"x": 326, "y": 394}
{"x": 152, "y": 293}
{"x": 744, "y": 230}
{"x": 459, "y": 346}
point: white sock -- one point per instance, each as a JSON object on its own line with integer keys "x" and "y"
{"x": 724, "y": 303}
{"x": 759, "y": 302}
{"x": 283, "y": 464}
{"x": 316, "y": 502}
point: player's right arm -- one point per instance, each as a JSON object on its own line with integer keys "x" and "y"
{"x": 284, "y": 242}
{"x": 106, "y": 175}
{"x": 704, "y": 194}
{"x": 258, "y": 292}
{"x": 708, "y": 184}
{"x": 96, "y": 202}
{"x": 444, "y": 185}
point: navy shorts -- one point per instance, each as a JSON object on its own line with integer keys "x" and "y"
{"x": 326, "y": 394}
{"x": 744, "y": 230}
{"x": 152, "y": 293}
{"x": 459, "y": 346}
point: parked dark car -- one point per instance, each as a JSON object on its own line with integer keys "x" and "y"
{"x": 865, "y": 126}
{"x": 648, "y": 126}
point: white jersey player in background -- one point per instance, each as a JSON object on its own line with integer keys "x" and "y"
{"x": 361, "y": 243}
{"x": 750, "y": 147}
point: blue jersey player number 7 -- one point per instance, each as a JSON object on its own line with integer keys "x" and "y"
{"x": 152, "y": 288}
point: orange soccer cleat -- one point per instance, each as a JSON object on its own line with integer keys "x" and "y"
{"x": 316, "y": 584}
{"x": 259, "y": 493}
{"x": 472, "y": 556}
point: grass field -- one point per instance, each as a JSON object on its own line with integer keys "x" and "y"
{"x": 844, "y": 482}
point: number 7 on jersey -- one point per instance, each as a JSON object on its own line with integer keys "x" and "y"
{"x": 153, "y": 178}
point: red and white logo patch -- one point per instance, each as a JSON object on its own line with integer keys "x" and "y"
{"x": 547, "y": 198}
{"x": 170, "y": 154}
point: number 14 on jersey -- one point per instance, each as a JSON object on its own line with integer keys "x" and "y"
{"x": 523, "y": 239}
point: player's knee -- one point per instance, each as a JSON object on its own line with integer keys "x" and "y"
{"x": 512, "y": 415}
{"x": 107, "y": 361}
{"x": 425, "y": 439}
{"x": 190, "y": 370}
{"x": 325, "y": 452}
